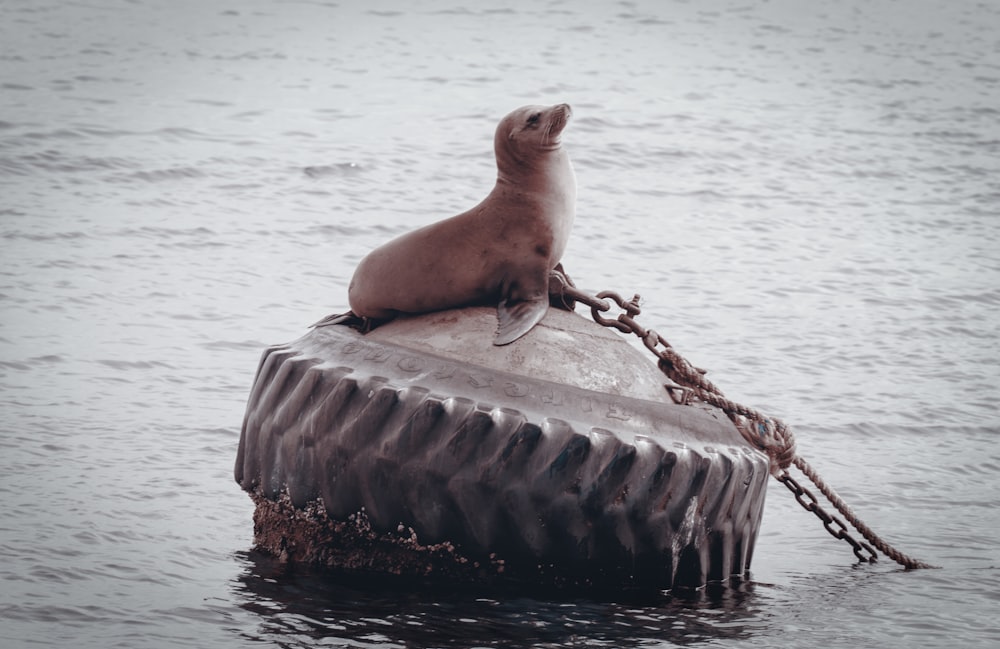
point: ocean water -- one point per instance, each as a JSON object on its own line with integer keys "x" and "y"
{"x": 806, "y": 196}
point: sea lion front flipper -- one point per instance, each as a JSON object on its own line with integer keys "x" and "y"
{"x": 517, "y": 317}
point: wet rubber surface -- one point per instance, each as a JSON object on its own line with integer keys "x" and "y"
{"x": 560, "y": 484}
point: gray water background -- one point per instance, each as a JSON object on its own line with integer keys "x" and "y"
{"x": 805, "y": 195}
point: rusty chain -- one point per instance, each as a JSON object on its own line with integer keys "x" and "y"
{"x": 810, "y": 503}
{"x": 769, "y": 435}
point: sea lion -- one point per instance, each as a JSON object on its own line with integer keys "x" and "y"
{"x": 500, "y": 251}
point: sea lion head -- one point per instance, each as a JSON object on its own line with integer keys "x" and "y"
{"x": 530, "y": 130}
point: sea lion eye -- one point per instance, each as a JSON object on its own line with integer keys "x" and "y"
{"x": 534, "y": 119}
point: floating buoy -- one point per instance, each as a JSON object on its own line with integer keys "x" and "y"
{"x": 421, "y": 449}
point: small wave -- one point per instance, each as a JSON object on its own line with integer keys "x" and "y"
{"x": 945, "y": 134}
{"x": 48, "y": 236}
{"x": 180, "y": 133}
{"x": 256, "y": 55}
{"x": 68, "y": 133}
{"x": 59, "y": 615}
{"x": 134, "y": 365}
{"x": 56, "y": 134}
{"x": 247, "y": 115}
{"x": 102, "y": 132}
{"x": 204, "y": 317}
{"x": 340, "y": 169}
{"x": 173, "y": 237}
{"x": 12, "y": 168}
{"x": 237, "y": 187}
{"x": 210, "y": 102}
{"x": 48, "y": 358}
{"x": 777, "y": 29}
{"x": 159, "y": 175}
{"x": 931, "y": 429}
{"x": 233, "y": 345}
{"x": 55, "y": 161}
{"x": 334, "y": 230}
{"x": 457, "y": 11}
{"x": 883, "y": 84}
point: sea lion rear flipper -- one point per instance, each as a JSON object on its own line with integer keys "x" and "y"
{"x": 517, "y": 317}
{"x": 335, "y": 319}
{"x": 363, "y": 324}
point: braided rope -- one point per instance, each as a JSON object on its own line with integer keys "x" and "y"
{"x": 775, "y": 438}
{"x": 842, "y": 507}
{"x": 772, "y": 436}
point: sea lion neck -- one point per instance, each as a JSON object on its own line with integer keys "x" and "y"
{"x": 537, "y": 164}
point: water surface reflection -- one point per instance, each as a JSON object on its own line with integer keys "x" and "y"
{"x": 306, "y": 607}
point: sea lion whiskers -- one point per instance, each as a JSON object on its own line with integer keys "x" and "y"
{"x": 557, "y": 122}
{"x": 547, "y": 135}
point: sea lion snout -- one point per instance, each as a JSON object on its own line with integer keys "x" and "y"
{"x": 561, "y": 113}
